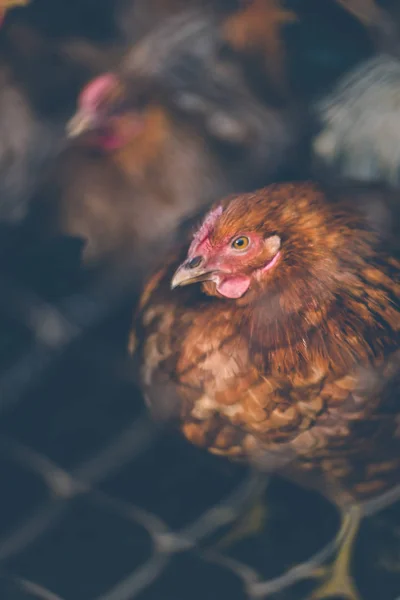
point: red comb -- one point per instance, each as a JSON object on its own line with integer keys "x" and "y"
{"x": 205, "y": 229}
{"x": 95, "y": 90}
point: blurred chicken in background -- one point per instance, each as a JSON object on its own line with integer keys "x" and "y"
{"x": 239, "y": 76}
{"x": 203, "y": 105}
{"x": 359, "y": 137}
{"x": 40, "y": 79}
{"x": 174, "y": 128}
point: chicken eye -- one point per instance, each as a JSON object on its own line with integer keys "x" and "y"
{"x": 240, "y": 243}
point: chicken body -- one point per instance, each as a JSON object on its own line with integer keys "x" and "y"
{"x": 285, "y": 355}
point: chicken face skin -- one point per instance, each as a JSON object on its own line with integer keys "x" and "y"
{"x": 229, "y": 262}
{"x": 300, "y": 372}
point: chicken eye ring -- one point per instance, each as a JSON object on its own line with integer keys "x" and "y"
{"x": 241, "y": 243}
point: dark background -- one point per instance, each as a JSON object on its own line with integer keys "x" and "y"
{"x": 88, "y": 485}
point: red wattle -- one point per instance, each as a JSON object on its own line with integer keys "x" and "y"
{"x": 234, "y": 287}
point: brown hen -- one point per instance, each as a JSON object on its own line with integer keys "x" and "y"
{"x": 283, "y": 351}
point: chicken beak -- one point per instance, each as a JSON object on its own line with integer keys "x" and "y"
{"x": 185, "y": 275}
{"x": 80, "y": 123}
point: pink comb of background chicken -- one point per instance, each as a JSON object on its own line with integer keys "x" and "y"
{"x": 94, "y": 92}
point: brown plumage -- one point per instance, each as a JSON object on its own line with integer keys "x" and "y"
{"x": 303, "y": 364}
{"x": 284, "y": 350}
{"x": 256, "y": 30}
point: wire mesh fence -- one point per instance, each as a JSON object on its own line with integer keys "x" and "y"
{"x": 98, "y": 503}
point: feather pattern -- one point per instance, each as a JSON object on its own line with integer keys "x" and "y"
{"x": 301, "y": 373}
